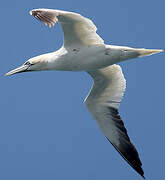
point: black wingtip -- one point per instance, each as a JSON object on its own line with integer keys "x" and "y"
{"x": 124, "y": 146}
{"x": 140, "y": 172}
{"x": 143, "y": 177}
{"x": 136, "y": 166}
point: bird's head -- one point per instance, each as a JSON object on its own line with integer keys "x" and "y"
{"x": 33, "y": 64}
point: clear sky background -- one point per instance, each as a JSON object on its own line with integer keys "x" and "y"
{"x": 46, "y": 132}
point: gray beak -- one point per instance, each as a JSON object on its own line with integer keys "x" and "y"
{"x": 18, "y": 70}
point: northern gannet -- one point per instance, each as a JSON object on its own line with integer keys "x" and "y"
{"x": 84, "y": 50}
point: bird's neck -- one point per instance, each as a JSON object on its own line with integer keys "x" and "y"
{"x": 53, "y": 60}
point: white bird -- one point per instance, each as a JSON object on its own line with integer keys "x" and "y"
{"x": 84, "y": 50}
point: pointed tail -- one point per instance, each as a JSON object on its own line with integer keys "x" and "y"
{"x": 148, "y": 52}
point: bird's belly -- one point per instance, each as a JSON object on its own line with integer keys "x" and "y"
{"x": 88, "y": 59}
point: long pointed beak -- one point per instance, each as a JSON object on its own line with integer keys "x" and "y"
{"x": 18, "y": 70}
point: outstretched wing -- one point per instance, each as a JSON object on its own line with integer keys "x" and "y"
{"x": 103, "y": 103}
{"x": 78, "y": 30}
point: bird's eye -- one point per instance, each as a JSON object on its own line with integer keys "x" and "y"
{"x": 28, "y": 63}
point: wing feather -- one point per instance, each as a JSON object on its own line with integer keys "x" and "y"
{"x": 103, "y": 103}
{"x": 78, "y": 30}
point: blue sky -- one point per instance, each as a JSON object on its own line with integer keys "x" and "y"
{"x": 46, "y": 131}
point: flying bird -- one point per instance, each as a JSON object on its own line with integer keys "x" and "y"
{"x": 84, "y": 50}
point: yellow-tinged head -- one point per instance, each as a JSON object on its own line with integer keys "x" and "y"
{"x": 37, "y": 63}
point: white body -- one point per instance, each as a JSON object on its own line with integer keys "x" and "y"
{"x": 85, "y": 59}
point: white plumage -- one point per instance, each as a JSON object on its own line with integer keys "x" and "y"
{"x": 84, "y": 50}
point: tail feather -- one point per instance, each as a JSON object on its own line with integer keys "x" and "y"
{"x": 148, "y": 52}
